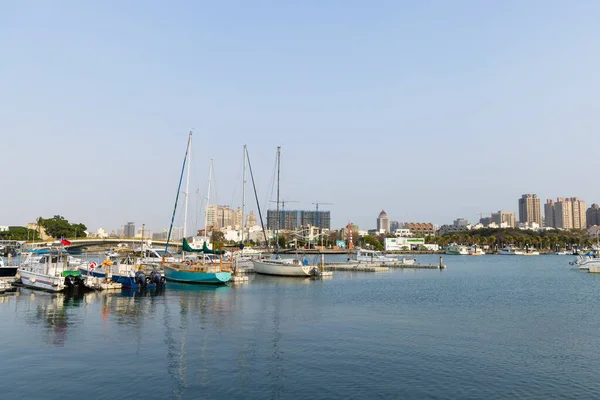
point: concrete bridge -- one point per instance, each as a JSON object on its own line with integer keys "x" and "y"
{"x": 93, "y": 242}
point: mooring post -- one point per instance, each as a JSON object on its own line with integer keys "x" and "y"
{"x": 441, "y": 264}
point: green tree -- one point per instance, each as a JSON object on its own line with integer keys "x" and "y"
{"x": 373, "y": 242}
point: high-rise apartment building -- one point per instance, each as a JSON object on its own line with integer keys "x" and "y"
{"x": 565, "y": 213}
{"x": 251, "y": 219}
{"x": 383, "y": 222}
{"x": 549, "y": 212}
{"x": 129, "y": 230}
{"x": 507, "y": 217}
{"x": 592, "y": 215}
{"x": 294, "y": 219}
{"x": 530, "y": 209}
{"x": 222, "y": 216}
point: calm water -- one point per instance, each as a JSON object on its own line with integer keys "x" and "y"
{"x": 487, "y": 327}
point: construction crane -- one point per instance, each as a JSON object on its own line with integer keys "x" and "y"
{"x": 317, "y": 204}
{"x": 283, "y": 203}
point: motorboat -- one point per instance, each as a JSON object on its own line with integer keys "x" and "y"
{"x": 374, "y": 257}
{"x": 7, "y": 271}
{"x": 51, "y": 272}
{"x": 283, "y": 267}
{"x": 510, "y": 251}
{"x": 475, "y": 251}
{"x": 456, "y": 249}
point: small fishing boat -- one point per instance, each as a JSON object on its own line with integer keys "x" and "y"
{"x": 458, "y": 250}
{"x": 375, "y": 257}
{"x": 51, "y": 272}
{"x": 132, "y": 274}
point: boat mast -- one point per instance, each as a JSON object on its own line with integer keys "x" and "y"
{"x": 278, "y": 221}
{"x": 208, "y": 199}
{"x": 187, "y": 149}
{"x": 243, "y": 197}
{"x": 187, "y": 187}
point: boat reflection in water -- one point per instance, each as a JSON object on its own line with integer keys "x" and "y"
{"x": 185, "y": 308}
{"x": 52, "y": 310}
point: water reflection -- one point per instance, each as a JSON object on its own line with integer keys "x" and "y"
{"x": 184, "y": 302}
{"x": 51, "y": 310}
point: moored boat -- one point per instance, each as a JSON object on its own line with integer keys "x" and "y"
{"x": 457, "y": 250}
{"x": 50, "y": 272}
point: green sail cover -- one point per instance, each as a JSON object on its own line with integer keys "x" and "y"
{"x": 186, "y": 247}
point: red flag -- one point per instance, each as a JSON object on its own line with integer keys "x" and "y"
{"x": 65, "y": 242}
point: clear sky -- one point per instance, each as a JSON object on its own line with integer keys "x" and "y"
{"x": 430, "y": 110}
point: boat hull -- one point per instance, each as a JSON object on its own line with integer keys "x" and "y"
{"x": 179, "y": 275}
{"x": 92, "y": 272}
{"x": 129, "y": 282}
{"x": 41, "y": 281}
{"x": 8, "y": 272}
{"x": 281, "y": 269}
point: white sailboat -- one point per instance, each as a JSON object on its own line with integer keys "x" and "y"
{"x": 277, "y": 265}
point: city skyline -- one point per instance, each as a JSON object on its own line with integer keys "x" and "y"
{"x": 472, "y": 96}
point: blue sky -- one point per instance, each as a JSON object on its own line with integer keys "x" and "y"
{"x": 430, "y": 110}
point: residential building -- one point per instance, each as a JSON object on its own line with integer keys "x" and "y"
{"x": 507, "y": 217}
{"x": 594, "y": 232}
{"x": 420, "y": 228}
{"x": 251, "y": 219}
{"x": 461, "y": 222}
{"x": 485, "y": 221}
{"x": 593, "y": 215}
{"x": 219, "y": 217}
{"x": 530, "y": 209}
{"x": 449, "y": 229}
{"x": 129, "y": 230}
{"x": 383, "y": 222}
{"x": 565, "y": 213}
{"x": 549, "y": 212}
{"x": 294, "y": 219}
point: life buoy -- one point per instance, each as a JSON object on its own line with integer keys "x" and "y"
{"x": 93, "y": 265}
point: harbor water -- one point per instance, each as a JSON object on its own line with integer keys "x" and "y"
{"x": 494, "y": 327}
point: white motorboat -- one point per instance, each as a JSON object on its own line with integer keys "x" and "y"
{"x": 510, "y": 251}
{"x": 455, "y": 249}
{"x": 585, "y": 262}
{"x": 475, "y": 251}
{"x": 374, "y": 257}
{"x": 50, "y": 272}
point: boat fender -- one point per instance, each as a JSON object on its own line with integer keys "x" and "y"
{"x": 32, "y": 280}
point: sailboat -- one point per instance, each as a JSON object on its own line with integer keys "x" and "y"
{"x": 277, "y": 265}
{"x": 201, "y": 267}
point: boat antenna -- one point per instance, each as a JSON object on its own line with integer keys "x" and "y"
{"x": 178, "y": 190}
{"x": 256, "y": 196}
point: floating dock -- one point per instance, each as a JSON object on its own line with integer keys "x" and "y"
{"x": 594, "y": 270}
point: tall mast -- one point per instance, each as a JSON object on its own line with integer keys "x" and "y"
{"x": 207, "y": 199}
{"x": 187, "y": 149}
{"x": 278, "y": 222}
{"x": 243, "y": 197}
{"x": 187, "y": 186}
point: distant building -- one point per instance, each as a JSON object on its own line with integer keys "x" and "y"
{"x": 3, "y": 228}
{"x": 565, "y": 213}
{"x": 129, "y": 230}
{"x": 549, "y": 212}
{"x": 295, "y": 219}
{"x": 394, "y": 225}
{"x": 593, "y": 215}
{"x": 461, "y": 222}
{"x": 507, "y": 217}
{"x": 420, "y": 228}
{"x": 383, "y": 222}
{"x": 593, "y": 231}
{"x": 485, "y": 221}
{"x": 251, "y": 219}
{"x": 530, "y": 209}
{"x": 450, "y": 229}
{"x": 406, "y": 243}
